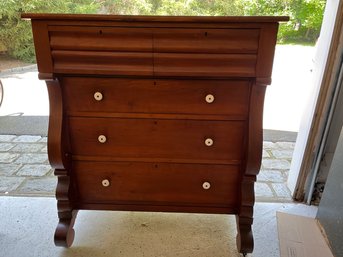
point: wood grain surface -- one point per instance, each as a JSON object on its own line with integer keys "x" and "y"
{"x": 153, "y": 138}
{"x": 152, "y": 113}
{"x": 231, "y": 97}
{"x": 157, "y": 183}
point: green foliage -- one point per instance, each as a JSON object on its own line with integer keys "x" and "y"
{"x": 16, "y": 34}
{"x": 304, "y": 25}
{"x": 170, "y": 7}
{"x": 196, "y": 7}
{"x": 126, "y": 7}
{"x": 305, "y": 17}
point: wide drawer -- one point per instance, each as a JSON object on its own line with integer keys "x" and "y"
{"x": 227, "y": 97}
{"x": 153, "y": 39}
{"x": 100, "y": 39}
{"x": 157, "y": 138}
{"x": 206, "y": 40}
{"x": 157, "y": 183}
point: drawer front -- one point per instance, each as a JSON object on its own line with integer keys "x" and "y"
{"x": 225, "y": 97}
{"x": 101, "y": 50}
{"x": 157, "y": 138}
{"x": 102, "y": 63}
{"x": 204, "y": 65}
{"x": 157, "y": 183}
{"x": 206, "y": 40}
{"x": 157, "y": 40}
{"x": 100, "y": 39}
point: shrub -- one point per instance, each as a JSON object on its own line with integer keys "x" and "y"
{"x": 305, "y": 17}
{"x": 16, "y": 34}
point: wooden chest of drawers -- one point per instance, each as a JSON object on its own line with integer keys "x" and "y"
{"x": 155, "y": 113}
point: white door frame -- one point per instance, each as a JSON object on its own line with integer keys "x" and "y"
{"x": 314, "y": 120}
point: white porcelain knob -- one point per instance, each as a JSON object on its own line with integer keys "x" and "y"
{"x": 208, "y": 141}
{"x": 206, "y": 185}
{"x": 105, "y": 183}
{"x": 102, "y": 139}
{"x": 98, "y": 96}
{"x": 209, "y": 98}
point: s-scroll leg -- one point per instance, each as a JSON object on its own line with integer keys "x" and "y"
{"x": 245, "y": 239}
{"x": 64, "y": 234}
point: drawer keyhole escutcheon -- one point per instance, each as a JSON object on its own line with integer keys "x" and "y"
{"x": 105, "y": 183}
{"x": 208, "y": 141}
{"x": 98, "y": 96}
{"x": 102, "y": 139}
{"x": 209, "y": 98}
{"x": 206, "y": 185}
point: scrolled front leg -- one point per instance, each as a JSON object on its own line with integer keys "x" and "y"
{"x": 244, "y": 239}
{"x": 244, "y": 220}
{"x": 64, "y": 234}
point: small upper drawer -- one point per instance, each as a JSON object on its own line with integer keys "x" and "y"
{"x": 100, "y": 39}
{"x": 217, "y": 97}
{"x": 102, "y": 63}
{"x": 206, "y": 40}
{"x": 205, "y": 65}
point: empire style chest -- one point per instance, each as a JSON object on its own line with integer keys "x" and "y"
{"x": 153, "y": 113}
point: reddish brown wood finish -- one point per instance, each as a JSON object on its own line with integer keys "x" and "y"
{"x": 204, "y": 65}
{"x": 156, "y": 19}
{"x": 42, "y": 48}
{"x": 156, "y": 208}
{"x": 102, "y": 63}
{"x": 59, "y": 157}
{"x": 157, "y": 183}
{"x": 222, "y": 41}
{"x": 153, "y": 138}
{"x": 154, "y": 96}
{"x": 152, "y": 76}
{"x": 100, "y": 39}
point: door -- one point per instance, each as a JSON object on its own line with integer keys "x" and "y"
{"x": 316, "y": 121}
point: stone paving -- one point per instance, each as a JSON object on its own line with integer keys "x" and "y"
{"x": 24, "y": 166}
{"x": 271, "y": 181}
{"x": 25, "y": 169}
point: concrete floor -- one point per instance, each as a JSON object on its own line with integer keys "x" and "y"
{"x": 27, "y": 226}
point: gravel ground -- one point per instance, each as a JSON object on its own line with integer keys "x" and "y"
{"x": 7, "y": 62}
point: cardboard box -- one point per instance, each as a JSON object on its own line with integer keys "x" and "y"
{"x": 301, "y": 237}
